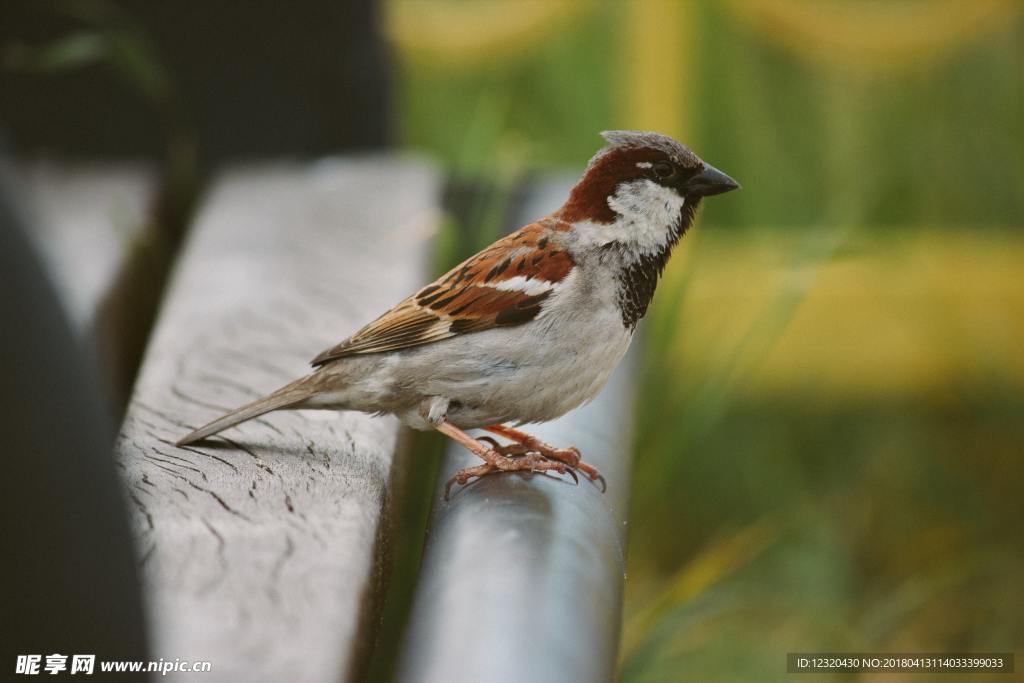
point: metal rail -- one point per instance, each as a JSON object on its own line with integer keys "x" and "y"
{"x": 522, "y": 578}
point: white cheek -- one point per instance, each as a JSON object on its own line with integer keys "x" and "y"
{"x": 648, "y": 214}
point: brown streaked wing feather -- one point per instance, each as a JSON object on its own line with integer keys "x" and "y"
{"x": 466, "y": 298}
{"x": 407, "y": 324}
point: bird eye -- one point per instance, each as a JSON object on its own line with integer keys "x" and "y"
{"x": 663, "y": 169}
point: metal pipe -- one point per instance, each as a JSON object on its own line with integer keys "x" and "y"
{"x": 522, "y": 578}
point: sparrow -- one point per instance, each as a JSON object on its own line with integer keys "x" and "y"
{"x": 527, "y": 329}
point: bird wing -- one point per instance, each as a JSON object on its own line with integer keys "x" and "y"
{"x": 504, "y": 285}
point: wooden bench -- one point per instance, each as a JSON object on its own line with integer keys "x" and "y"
{"x": 265, "y": 551}
{"x": 263, "y": 554}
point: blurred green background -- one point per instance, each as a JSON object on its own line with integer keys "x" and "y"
{"x": 829, "y": 450}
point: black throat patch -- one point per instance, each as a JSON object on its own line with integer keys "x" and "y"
{"x": 638, "y": 280}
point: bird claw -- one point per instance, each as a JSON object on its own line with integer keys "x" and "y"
{"x": 593, "y": 475}
{"x": 572, "y": 457}
{"x": 521, "y": 459}
{"x": 463, "y": 476}
{"x": 518, "y": 450}
{"x": 448, "y": 489}
{"x": 532, "y": 456}
{"x": 550, "y": 464}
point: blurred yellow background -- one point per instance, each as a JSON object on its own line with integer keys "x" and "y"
{"x": 902, "y": 314}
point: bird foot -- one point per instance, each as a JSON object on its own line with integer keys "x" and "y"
{"x": 527, "y": 443}
{"x": 512, "y": 458}
{"x": 571, "y": 456}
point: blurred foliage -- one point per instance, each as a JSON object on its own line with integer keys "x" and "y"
{"x": 830, "y": 449}
{"x": 103, "y": 35}
{"x": 909, "y": 144}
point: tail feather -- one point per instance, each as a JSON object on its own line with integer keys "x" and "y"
{"x": 285, "y": 397}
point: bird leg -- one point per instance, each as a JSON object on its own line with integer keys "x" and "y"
{"x": 570, "y": 456}
{"x": 512, "y": 450}
{"x": 495, "y": 461}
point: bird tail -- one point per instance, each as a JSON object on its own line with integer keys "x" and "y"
{"x": 286, "y": 397}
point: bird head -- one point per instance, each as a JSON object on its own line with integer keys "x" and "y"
{"x": 643, "y": 188}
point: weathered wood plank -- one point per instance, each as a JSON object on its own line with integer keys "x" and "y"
{"x": 262, "y": 553}
{"x": 85, "y": 217}
{"x": 522, "y": 579}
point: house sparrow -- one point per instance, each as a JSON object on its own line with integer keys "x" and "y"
{"x": 529, "y": 328}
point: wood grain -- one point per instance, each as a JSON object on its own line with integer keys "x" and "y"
{"x": 262, "y": 548}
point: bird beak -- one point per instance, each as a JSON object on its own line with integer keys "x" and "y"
{"x": 708, "y": 182}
